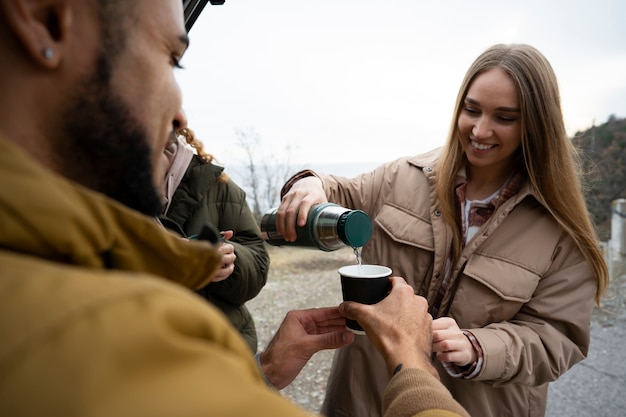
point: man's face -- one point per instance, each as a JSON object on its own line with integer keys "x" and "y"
{"x": 119, "y": 118}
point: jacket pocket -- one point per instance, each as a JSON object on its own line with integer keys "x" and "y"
{"x": 491, "y": 290}
{"x": 405, "y": 227}
{"x": 510, "y": 282}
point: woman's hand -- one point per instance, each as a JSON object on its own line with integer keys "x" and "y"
{"x": 295, "y": 205}
{"x": 450, "y": 344}
{"x": 228, "y": 258}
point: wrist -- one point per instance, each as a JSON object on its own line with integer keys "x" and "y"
{"x": 295, "y": 178}
{"x": 259, "y": 365}
{"x": 414, "y": 360}
{"x": 477, "y": 351}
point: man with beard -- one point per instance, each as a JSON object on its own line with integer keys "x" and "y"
{"x": 90, "y": 324}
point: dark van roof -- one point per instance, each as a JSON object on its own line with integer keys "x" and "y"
{"x": 193, "y": 8}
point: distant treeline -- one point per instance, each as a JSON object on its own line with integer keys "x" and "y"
{"x": 603, "y": 150}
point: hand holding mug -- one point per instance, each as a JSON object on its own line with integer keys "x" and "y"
{"x": 228, "y": 258}
{"x": 399, "y": 327}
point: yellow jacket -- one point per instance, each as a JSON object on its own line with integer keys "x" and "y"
{"x": 92, "y": 322}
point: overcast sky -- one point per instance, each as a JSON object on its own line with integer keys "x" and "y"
{"x": 372, "y": 80}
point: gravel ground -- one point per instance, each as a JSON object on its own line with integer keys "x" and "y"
{"x": 305, "y": 278}
{"x": 300, "y": 278}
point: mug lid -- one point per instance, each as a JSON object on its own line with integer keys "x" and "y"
{"x": 357, "y": 228}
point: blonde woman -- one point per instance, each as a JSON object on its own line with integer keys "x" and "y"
{"x": 493, "y": 230}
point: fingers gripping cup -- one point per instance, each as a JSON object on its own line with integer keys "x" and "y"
{"x": 365, "y": 284}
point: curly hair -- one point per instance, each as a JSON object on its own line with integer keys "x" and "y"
{"x": 196, "y": 144}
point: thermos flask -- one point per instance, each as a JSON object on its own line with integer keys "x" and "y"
{"x": 328, "y": 227}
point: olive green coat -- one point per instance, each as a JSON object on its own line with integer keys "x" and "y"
{"x": 201, "y": 199}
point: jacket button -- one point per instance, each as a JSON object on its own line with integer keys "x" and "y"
{"x": 437, "y": 213}
{"x": 429, "y": 169}
{"x": 437, "y": 275}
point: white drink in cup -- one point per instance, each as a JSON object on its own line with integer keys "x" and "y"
{"x": 365, "y": 284}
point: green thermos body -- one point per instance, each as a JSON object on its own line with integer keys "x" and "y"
{"x": 328, "y": 227}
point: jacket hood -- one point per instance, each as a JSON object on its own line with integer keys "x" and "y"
{"x": 178, "y": 155}
{"x": 50, "y": 217}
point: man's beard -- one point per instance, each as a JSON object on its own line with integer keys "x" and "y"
{"x": 105, "y": 148}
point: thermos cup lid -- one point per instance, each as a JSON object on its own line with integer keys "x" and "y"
{"x": 356, "y": 228}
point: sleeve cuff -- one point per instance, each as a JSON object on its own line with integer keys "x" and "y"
{"x": 295, "y": 178}
{"x": 257, "y": 359}
{"x": 468, "y": 371}
{"x": 413, "y": 391}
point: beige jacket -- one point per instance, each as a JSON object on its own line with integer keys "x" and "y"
{"x": 521, "y": 286}
{"x": 93, "y": 324}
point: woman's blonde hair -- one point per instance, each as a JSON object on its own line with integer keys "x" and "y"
{"x": 549, "y": 159}
{"x": 191, "y": 139}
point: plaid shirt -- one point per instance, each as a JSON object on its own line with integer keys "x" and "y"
{"x": 480, "y": 211}
{"x": 472, "y": 219}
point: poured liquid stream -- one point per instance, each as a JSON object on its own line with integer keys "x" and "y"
{"x": 359, "y": 257}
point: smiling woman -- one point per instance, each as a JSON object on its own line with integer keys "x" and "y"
{"x": 492, "y": 229}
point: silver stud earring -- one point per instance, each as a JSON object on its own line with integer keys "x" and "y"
{"x": 48, "y": 53}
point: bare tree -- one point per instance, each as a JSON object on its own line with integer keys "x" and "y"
{"x": 264, "y": 173}
{"x": 249, "y": 140}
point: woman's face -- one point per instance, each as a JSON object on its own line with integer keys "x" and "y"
{"x": 489, "y": 124}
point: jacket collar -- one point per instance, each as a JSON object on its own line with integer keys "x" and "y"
{"x": 199, "y": 178}
{"x": 427, "y": 162}
{"x": 47, "y": 216}
{"x": 178, "y": 155}
{"x": 210, "y": 171}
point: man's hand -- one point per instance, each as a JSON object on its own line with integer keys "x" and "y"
{"x": 302, "y": 334}
{"x": 295, "y": 205}
{"x": 399, "y": 327}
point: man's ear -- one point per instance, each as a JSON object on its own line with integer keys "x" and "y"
{"x": 41, "y": 27}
